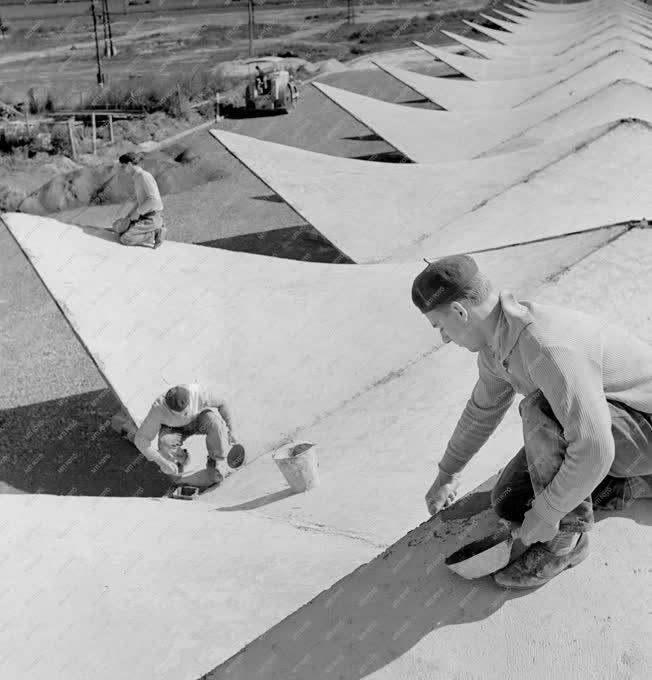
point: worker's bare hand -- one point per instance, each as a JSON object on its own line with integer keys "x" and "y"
{"x": 442, "y": 493}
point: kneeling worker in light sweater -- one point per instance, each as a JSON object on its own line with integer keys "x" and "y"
{"x": 143, "y": 225}
{"x": 186, "y": 410}
{"x": 587, "y": 423}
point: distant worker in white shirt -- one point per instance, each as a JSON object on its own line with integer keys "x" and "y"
{"x": 183, "y": 411}
{"x": 143, "y": 225}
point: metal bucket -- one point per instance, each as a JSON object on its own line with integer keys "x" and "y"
{"x": 483, "y": 557}
{"x": 298, "y": 463}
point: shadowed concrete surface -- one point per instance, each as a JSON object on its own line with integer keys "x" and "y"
{"x": 405, "y": 615}
{"x": 67, "y": 447}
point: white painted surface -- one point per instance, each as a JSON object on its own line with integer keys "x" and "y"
{"x": 568, "y": 49}
{"x": 439, "y": 136}
{"x": 554, "y": 28}
{"x": 259, "y": 330}
{"x": 401, "y": 209}
{"x": 378, "y": 453}
{"x": 405, "y": 615}
{"x": 569, "y": 8}
{"x": 460, "y": 95}
{"x": 604, "y": 182}
{"x": 109, "y": 588}
{"x": 543, "y": 36}
{"x": 527, "y": 17}
{"x": 524, "y": 66}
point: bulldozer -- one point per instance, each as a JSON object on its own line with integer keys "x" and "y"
{"x": 270, "y": 86}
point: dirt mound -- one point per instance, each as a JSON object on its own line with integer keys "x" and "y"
{"x": 309, "y": 70}
{"x": 330, "y": 66}
{"x": 240, "y": 69}
{"x": 109, "y": 183}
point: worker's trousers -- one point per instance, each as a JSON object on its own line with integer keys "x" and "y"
{"x": 209, "y": 423}
{"x": 139, "y": 232}
{"x": 537, "y": 463}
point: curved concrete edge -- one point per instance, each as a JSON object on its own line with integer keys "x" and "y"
{"x": 109, "y": 588}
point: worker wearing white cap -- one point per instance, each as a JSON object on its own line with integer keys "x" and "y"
{"x": 183, "y": 411}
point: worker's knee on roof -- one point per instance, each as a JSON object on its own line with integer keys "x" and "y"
{"x": 211, "y": 420}
{"x": 210, "y": 417}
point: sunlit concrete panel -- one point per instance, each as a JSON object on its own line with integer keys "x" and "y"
{"x": 520, "y": 15}
{"x": 570, "y": 8}
{"x": 441, "y": 136}
{"x": 370, "y": 210}
{"x": 109, "y": 588}
{"x": 605, "y": 182}
{"x": 415, "y": 411}
{"x": 614, "y": 38}
{"x": 528, "y": 67}
{"x": 542, "y": 37}
{"x": 539, "y": 30}
{"x": 284, "y": 341}
{"x": 455, "y": 95}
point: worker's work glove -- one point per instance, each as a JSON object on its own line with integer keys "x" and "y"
{"x": 442, "y": 493}
{"x": 535, "y": 529}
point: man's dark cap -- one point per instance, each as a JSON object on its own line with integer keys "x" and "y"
{"x": 443, "y": 281}
{"x": 129, "y": 157}
{"x": 177, "y": 398}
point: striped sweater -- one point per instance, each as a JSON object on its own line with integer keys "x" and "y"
{"x": 578, "y": 362}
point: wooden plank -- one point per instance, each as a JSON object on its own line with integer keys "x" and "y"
{"x": 94, "y": 125}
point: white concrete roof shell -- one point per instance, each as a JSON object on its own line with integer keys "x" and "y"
{"x": 570, "y": 50}
{"x": 156, "y": 318}
{"x": 507, "y": 68}
{"x": 406, "y": 212}
{"x": 393, "y": 205}
{"x": 459, "y": 95}
{"x": 440, "y": 136}
{"x": 551, "y": 36}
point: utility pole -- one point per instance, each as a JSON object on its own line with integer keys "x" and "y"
{"x": 350, "y": 12}
{"x": 250, "y": 12}
{"x": 105, "y": 32}
{"x": 108, "y": 25}
{"x": 100, "y": 75}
